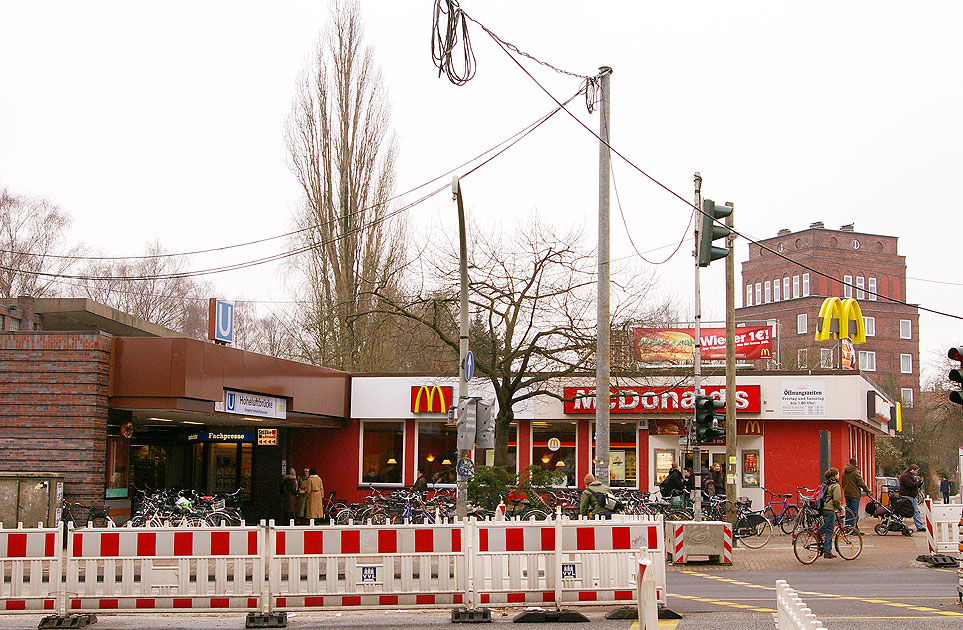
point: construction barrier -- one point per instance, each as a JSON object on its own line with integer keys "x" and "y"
{"x": 942, "y": 526}
{"x": 269, "y": 570}
{"x": 164, "y": 569}
{"x": 367, "y": 566}
{"x": 563, "y": 561}
{"x": 791, "y": 612}
{"x": 686, "y": 539}
{"x": 30, "y": 569}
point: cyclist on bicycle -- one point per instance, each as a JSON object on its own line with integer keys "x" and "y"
{"x": 831, "y": 505}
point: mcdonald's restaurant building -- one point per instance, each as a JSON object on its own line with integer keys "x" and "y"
{"x": 400, "y": 424}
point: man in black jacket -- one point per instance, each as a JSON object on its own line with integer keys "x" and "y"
{"x": 674, "y": 483}
{"x": 421, "y": 483}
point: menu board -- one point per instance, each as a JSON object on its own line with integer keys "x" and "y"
{"x": 750, "y": 469}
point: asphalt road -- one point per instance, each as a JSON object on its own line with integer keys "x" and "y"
{"x": 884, "y": 588}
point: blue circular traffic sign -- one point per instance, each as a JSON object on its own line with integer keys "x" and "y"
{"x": 469, "y": 365}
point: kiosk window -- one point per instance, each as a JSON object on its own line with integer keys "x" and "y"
{"x": 750, "y": 469}
{"x": 553, "y": 448}
{"x": 663, "y": 463}
{"x": 118, "y": 468}
{"x": 382, "y": 454}
{"x": 437, "y": 452}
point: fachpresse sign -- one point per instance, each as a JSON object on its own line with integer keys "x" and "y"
{"x": 244, "y": 404}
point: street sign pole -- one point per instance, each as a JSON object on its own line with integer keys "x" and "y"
{"x": 461, "y": 486}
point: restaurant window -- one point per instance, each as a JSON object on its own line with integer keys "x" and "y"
{"x": 437, "y": 451}
{"x": 148, "y": 464}
{"x": 553, "y": 448}
{"x": 663, "y": 463}
{"x": 486, "y": 457}
{"x": 118, "y": 467}
{"x": 622, "y": 454}
{"x": 382, "y": 452}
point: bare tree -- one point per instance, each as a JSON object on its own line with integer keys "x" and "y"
{"x": 134, "y": 286}
{"x": 343, "y": 154}
{"x": 269, "y": 334}
{"x": 533, "y": 298}
{"x": 32, "y": 235}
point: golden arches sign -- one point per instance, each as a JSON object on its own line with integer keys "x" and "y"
{"x": 429, "y": 392}
{"x": 840, "y": 319}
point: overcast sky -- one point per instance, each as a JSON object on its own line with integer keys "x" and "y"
{"x": 164, "y": 121}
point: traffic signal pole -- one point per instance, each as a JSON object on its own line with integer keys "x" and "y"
{"x": 729, "y": 475}
{"x": 603, "y": 355}
{"x": 697, "y": 363}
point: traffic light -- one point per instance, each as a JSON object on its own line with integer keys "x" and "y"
{"x": 708, "y": 423}
{"x": 956, "y": 374}
{"x": 710, "y": 231}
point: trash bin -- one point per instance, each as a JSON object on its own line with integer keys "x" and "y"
{"x": 30, "y": 498}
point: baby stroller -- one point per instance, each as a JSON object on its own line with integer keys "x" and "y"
{"x": 891, "y": 518}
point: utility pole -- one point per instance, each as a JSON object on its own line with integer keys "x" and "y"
{"x": 461, "y": 492}
{"x": 731, "y": 432}
{"x": 603, "y": 353}
{"x": 697, "y": 363}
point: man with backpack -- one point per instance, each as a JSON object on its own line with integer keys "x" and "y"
{"x": 597, "y": 499}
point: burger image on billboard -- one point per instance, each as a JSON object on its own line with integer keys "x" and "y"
{"x": 663, "y": 345}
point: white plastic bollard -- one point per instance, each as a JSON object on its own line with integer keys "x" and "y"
{"x": 648, "y": 606}
{"x": 500, "y": 511}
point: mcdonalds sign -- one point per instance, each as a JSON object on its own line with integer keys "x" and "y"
{"x": 678, "y": 344}
{"x": 430, "y": 398}
{"x": 657, "y": 400}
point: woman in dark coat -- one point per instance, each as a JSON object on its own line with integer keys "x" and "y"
{"x": 289, "y": 490}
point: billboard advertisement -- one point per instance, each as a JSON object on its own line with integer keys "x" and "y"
{"x": 678, "y": 344}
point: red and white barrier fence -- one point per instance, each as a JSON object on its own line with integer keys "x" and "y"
{"x": 26, "y": 556}
{"x": 942, "y": 526}
{"x": 272, "y": 569}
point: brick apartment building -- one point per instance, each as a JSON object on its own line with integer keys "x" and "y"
{"x": 776, "y": 289}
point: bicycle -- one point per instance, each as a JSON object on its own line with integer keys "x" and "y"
{"x": 96, "y": 516}
{"x": 808, "y": 543}
{"x": 786, "y": 517}
{"x": 752, "y": 527}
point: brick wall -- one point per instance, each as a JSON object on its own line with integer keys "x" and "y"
{"x": 53, "y": 407}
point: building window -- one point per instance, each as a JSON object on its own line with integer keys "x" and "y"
{"x": 3, "y": 323}
{"x": 768, "y": 289}
{"x": 785, "y": 288}
{"x": 758, "y": 293}
{"x": 622, "y": 449}
{"x": 906, "y": 363}
{"x": 905, "y": 329}
{"x": 437, "y": 452}
{"x": 826, "y": 357}
{"x": 663, "y": 463}
{"x": 561, "y": 460}
{"x": 870, "y": 324}
{"x": 847, "y": 286}
{"x": 906, "y": 394}
{"x": 867, "y": 361}
{"x": 775, "y": 291}
{"x": 795, "y": 287}
{"x": 118, "y": 467}
{"x": 382, "y": 451}
{"x": 860, "y": 288}
{"x": 872, "y": 291}
{"x": 14, "y": 324}
{"x": 749, "y": 294}
{"x": 805, "y": 285}
{"x": 802, "y": 323}
{"x": 802, "y": 358}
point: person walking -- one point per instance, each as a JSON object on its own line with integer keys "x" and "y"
{"x": 946, "y": 486}
{"x": 289, "y": 492}
{"x": 909, "y": 486}
{"x": 708, "y": 482}
{"x": 719, "y": 479}
{"x": 301, "y": 505}
{"x": 853, "y": 489}
{"x": 589, "y": 505}
{"x": 673, "y": 483}
{"x": 315, "y": 492}
{"x": 831, "y": 505}
{"x": 421, "y": 483}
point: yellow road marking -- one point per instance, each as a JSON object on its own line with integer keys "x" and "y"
{"x": 824, "y": 595}
{"x": 719, "y": 602}
{"x": 663, "y": 623}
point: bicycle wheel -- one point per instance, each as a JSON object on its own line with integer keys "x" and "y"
{"x": 787, "y": 520}
{"x": 534, "y": 515}
{"x": 806, "y": 546}
{"x": 753, "y": 530}
{"x": 677, "y": 515}
{"x": 848, "y": 542}
{"x": 344, "y": 516}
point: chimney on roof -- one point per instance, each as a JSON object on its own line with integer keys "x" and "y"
{"x": 783, "y": 232}
{"x": 817, "y": 224}
{"x": 847, "y": 228}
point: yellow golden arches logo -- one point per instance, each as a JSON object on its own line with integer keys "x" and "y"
{"x": 840, "y": 319}
{"x": 753, "y": 427}
{"x": 428, "y": 393}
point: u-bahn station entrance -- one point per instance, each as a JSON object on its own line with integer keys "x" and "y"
{"x": 116, "y": 404}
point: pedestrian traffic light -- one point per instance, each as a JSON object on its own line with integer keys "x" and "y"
{"x": 708, "y": 423}
{"x": 956, "y": 374}
{"x": 710, "y": 231}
